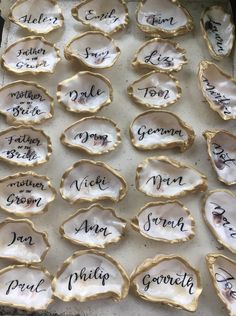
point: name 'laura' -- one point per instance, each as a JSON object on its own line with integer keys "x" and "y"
{"x": 99, "y": 182}
{"x": 158, "y": 181}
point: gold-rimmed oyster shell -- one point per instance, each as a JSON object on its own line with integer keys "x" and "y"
{"x": 22, "y": 242}
{"x": 31, "y": 55}
{"x": 219, "y": 214}
{"x": 25, "y": 287}
{"x": 86, "y": 92}
{"x": 155, "y": 90}
{"x": 25, "y": 102}
{"x": 93, "y": 49}
{"x": 25, "y": 146}
{"x": 94, "y": 227}
{"x": 95, "y": 135}
{"x": 221, "y": 147}
{"x": 218, "y": 31}
{"x": 163, "y": 177}
{"x": 168, "y": 221}
{"x": 155, "y": 129}
{"x": 106, "y": 16}
{"x": 39, "y": 17}
{"x": 163, "y": 18}
{"x": 91, "y": 181}
{"x": 160, "y": 54}
{"x": 223, "y": 274}
{"x": 168, "y": 279}
{"x": 89, "y": 275}
{"x": 219, "y": 89}
{"x": 26, "y": 194}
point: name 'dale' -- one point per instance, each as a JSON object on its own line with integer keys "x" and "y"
{"x": 99, "y": 182}
{"x": 16, "y": 285}
{"x": 145, "y": 131}
{"x": 225, "y": 278}
{"x": 84, "y": 96}
{"x": 159, "y": 181}
{"x": 28, "y": 240}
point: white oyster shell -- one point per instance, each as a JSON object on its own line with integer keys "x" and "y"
{"x": 25, "y": 102}
{"x": 24, "y": 146}
{"x": 26, "y": 194}
{"x": 160, "y": 54}
{"x": 93, "y": 49}
{"x": 222, "y": 152}
{"x": 107, "y": 16}
{"x": 155, "y": 90}
{"x": 166, "y": 178}
{"x": 219, "y": 89}
{"x": 85, "y": 92}
{"x": 91, "y": 181}
{"x": 223, "y": 274}
{"x": 95, "y": 135}
{"x": 32, "y": 54}
{"x": 25, "y": 287}
{"x": 39, "y": 17}
{"x": 167, "y": 221}
{"x": 218, "y": 30}
{"x": 163, "y": 18}
{"x": 160, "y": 129}
{"x": 168, "y": 279}
{"x": 20, "y": 241}
{"x": 219, "y": 214}
{"x": 93, "y": 227}
{"x": 89, "y": 275}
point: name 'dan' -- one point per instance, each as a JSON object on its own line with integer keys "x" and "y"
{"x": 158, "y": 181}
{"x": 99, "y": 182}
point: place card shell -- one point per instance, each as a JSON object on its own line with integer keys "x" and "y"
{"x": 25, "y": 102}
{"x": 156, "y": 129}
{"x": 101, "y": 46}
{"x": 196, "y": 181}
{"x": 115, "y": 18}
{"x": 152, "y": 23}
{"x": 155, "y": 54}
{"x": 86, "y": 227}
{"x": 102, "y": 176}
{"x": 21, "y": 65}
{"x": 172, "y": 213}
{"x": 155, "y": 90}
{"x": 23, "y": 13}
{"x": 30, "y": 245}
{"x": 95, "y": 135}
{"x": 221, "y": 150}
{"x": 19, "y": 155}
{"x": 219, "y": 89}
{"x": 167, "y": 293}
{"x": 91, "y": 259}
{"x": 26, "y": 194}
{"x": 80, "y": 84}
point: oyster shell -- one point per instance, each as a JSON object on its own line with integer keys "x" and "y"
{"x": 166, "y": 178}
{"x": 95, "y": 135}
{"x": 168, "y": 279}
{"x": 160, "y": 129}
{"x": 90, "y": 275}
{"x": 95, "y": 226}
{"x": 218, "y": 31}
{"x": 219, "y": 214}
{"x": 219, "y": 89}
{"x": 25, "y": 146}
{"x": 25, "y": 102}
{"x": 26, "y": 194}
{"x": 223, "y": 274}
{"x": 160, "y": 54}
{"x": 25, "y": 287}
{"x": 155, "y": 90}
{"x": 91, "y": 181}
{"x": 107, "y": 16}
{"x": 163, "y": 18}
{"x": 39, "y": 17}
{"x": 93, "y": 49}
{"x": 167, "y": 221}
{"x": 85, "y": 92}
{"x": 31, "y": 55}
{"x": 222, "y": 152}
{"x": 20, "y": 241}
